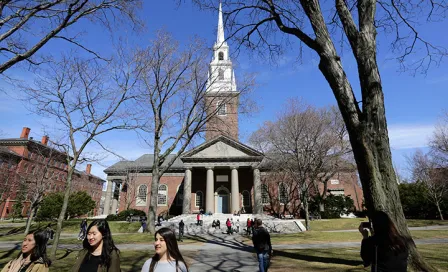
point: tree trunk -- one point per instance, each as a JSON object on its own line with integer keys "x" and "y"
{"x": 61, "y": 217}
{"x": 439, "y": 210}
{"x": 152, "y": 209}
{"x": 307, "y": 212}
{"x": 30, "y": 218}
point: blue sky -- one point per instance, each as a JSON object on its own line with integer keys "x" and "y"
{"x": 413, "y": 103}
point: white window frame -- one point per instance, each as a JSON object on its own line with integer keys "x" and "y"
{"x": 280, "y": 185}
{"x": 220, "y": 108}
{"x": 201, "y": 204}
{"x": 334, "y": 181}
{"x": 248, "y": 196}
{"x": 264, "y": 190}
{"x": 139, "y": 200}
{"x": 165, "y": 193}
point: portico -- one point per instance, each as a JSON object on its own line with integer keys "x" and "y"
{"x": 223, "y": 168}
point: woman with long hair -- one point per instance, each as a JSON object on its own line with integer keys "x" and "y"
{"x": 385, "y": 250}
{"x": 33, "y": 256}
{"x": 167, "y": 257}
{"x": 99, "y": 253}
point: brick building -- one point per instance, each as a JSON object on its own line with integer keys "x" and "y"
{"x": 222, "y": 175}
{"x": 27, "y": 165}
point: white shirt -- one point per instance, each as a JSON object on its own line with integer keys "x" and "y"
{"x": 165, "y": 266}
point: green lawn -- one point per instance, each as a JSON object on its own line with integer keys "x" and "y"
{"x": 353, "y": 223}
{"x": 345, "y": 259}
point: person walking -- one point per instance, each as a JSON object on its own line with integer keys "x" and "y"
{"x": 181, "y": 230}
{"x": 262, "y": 245}
{"x": 248, "y": 226}
{"x": 252, "y": 225}
{"x": 168, "y": 257}
{"x": 82, "y": 229}
{"x": 229, "y": 226}
{"x": 49, "y": 232}
{"x": 32, "y": 256}
{"x": 99, "y": 253}
{"x": 386, "y": 249}
{"x": 198, "y": 219}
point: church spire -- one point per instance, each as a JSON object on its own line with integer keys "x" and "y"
{"x": 220, "y": 36}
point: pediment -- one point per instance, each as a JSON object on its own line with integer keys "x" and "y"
{"x": 222, "y": 147}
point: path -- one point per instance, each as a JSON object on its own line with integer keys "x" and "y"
{"x": 434, "y": 227}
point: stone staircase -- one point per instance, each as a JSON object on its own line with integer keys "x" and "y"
{"x": 273, "y": 225}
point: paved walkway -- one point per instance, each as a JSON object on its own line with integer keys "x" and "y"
{"x": 438, "y": 227}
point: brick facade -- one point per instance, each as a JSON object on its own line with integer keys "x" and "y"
{"x": 226, "y": 124}
{"x": 26, "y": 163}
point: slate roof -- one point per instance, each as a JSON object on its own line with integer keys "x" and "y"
{"x": 143, "y": 163}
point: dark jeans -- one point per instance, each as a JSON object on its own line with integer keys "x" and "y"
{"x": 181, "y": 235}
{"x": 263, "y": 260}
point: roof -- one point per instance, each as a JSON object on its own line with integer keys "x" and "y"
{"x": 5, "y": 151}
{"x": 145, "y": 162}
{"x": 23, "y": 142}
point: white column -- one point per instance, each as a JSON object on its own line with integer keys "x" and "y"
{"x": 209, "y": 198}
{"x": 258, "y": 206}
{"x": 186, "y": 203}
{"x": 107, "y": 198}
{"x": 113, "y": 210}
{"x": 235, "y": 190}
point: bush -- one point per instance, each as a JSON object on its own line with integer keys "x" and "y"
{"x": 123, "y": 215}
{"x": 416, "y": 204}
{"x": 334, "y": 206}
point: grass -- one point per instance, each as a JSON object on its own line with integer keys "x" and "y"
{"x": 312, "y": 237}
{"x": 346, "y": 259}
{"x": 335, "y": 260}
{"x": 353, "y": 223}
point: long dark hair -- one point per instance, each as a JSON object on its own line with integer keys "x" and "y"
{"x": 40, "y": 248}
{"x": 108, "y": 242}
{"x": 172, "y": 248}
{"x": 386, "y": 233}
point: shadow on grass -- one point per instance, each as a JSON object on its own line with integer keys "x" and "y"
{"x": 67, "y": 252}
{"x": 309, "y": 258}
{"x": 11, "y": 251}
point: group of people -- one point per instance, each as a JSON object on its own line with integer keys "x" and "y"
{"x": 382, "y": 248}
{"x": 232, "y": 226}
{"x": 99, "y": 252}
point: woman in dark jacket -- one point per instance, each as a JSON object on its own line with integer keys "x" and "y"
{"x": 100, "y": 253}
{"x": 386, "y": 249}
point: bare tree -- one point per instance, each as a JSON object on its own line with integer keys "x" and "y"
{"x": 27, "y": 25}
{"x": 130, "y": 187}
{"x": 174, "y": 98}
{"x": 303, "y": 144}
{"x": 40, "y": 178}
{"x": 439, "y": 142}
{"x": 86, "y": 99}
{"x": 425, "y": 169}
{"x": 273, "y": 26}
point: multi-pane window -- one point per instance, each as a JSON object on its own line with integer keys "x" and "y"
{"x": 162, "y": 195}
{"x": 142, "y": 192}
{"x": 264, "y": 194}
{"x": 283, "y": 193}
{"x": 199, "y": 199}
{"x": 222, "y": 109}
{"x": 246, "y": 198}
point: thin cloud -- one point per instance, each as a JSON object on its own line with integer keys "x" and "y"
{"x": 410, "y": 136}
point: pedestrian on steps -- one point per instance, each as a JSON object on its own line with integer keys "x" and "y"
{"x": 229, "y": 226}
{"x": 181, "y": 230}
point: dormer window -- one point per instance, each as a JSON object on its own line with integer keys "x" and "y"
{"x": 220, "y": 74}
{"x": 220, "y": 56}
{"x": 222, "y": 109}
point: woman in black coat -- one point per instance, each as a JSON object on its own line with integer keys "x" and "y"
{"x": 385, "y": 250}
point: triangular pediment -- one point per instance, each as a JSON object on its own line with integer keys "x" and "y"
{"x": 222, "y": 147}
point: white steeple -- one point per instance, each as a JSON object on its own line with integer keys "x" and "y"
{"x": 221, "y": 75}
{"x": 220, "y": 35}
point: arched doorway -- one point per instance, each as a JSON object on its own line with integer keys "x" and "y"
{"x": 222, "y": 200}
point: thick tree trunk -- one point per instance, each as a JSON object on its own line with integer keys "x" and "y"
{"x": 61, "y": 217}
{"x": 152, "y": 209}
